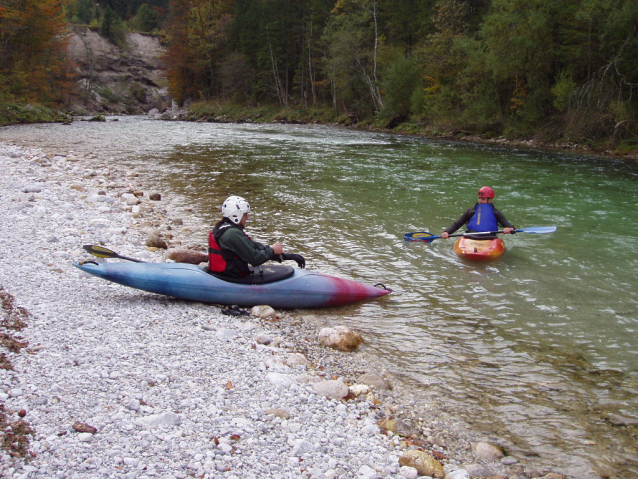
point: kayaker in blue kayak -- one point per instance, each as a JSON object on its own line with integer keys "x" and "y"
{"x": 231, "y": 250}
{"x": 483, "y": 216}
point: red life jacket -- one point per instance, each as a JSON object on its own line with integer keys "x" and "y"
{"x": 216, "y": 261}
{"x": 223, "y": 260}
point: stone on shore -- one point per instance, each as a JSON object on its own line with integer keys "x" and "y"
{"x": 488, "y": 452}
{"x": 332, "y": 388}
{"x": 187, "y": 256}
{"x": 340, "y": 338}
{"x": 263, "y": 311}
{"x": 155, "y": 241}
{"x": 375, "y": 381}
{"x": 424, "y": 463}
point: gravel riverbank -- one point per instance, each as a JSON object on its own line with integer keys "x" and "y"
{"x": 115, "y": 382}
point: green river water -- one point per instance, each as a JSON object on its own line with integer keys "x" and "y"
{"x": 539, "y": 348}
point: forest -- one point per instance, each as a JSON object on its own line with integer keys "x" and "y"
{"x": 554, "y": 70}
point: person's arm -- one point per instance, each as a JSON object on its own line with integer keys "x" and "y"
{"x": 250, "y": 251}
{"x": 507, "y": 226}
{"x": 465, "y": 217}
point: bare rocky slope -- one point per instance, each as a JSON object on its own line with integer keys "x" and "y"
{"x": 114, "y": 80}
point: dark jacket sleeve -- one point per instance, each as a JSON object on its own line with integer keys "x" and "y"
{"x": 250, "y": 251}
{"x": 500, "y": 217}
{"x": 465, "y": 217}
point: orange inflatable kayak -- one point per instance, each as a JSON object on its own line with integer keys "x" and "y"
{"x": 479, "y": 250}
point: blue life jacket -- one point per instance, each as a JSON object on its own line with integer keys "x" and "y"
{"x": 484, "y": 218}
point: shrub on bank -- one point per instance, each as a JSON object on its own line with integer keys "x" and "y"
{"x": 212, "y": 111}
{"x": 13, "y": 114}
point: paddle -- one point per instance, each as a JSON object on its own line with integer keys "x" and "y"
{"x": 102, "y": 252}
{"x": 426, "y": 237}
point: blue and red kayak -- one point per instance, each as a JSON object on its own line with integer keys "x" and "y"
{"x": 279, "y": 286}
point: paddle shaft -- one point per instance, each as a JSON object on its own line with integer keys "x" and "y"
{"x": 427, "y": 238}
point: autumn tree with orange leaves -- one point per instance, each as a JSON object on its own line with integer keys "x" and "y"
{"x": 33, "y": 37}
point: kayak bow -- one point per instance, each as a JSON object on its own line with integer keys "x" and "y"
{"x": 479, "y": 250}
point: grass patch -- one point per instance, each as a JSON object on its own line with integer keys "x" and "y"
{"x": 217, "y": 112}
{"x": 627, "y": 148}
{"x": 16, "y": 114}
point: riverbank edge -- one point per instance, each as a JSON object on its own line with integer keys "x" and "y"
{"x": 451, "y": 439}
{"x": 236, "y": 114}
{"x": 14, "y": 114}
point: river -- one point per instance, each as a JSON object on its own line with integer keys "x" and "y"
{"x": 538, "y": 348}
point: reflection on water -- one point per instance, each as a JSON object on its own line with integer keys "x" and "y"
{"x": 538, "y": 348}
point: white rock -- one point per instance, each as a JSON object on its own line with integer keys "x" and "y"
{"x": 367, "y": 471}
{"x": 459, "y": 474}
{"x": 32, "y": 188}
{"x": 280, "y": 380}
{"x": 297, "y": 359}
{"x": 226, "y": 334}
{"x": 408, "y": 472}
{"x": 161, "y": 419}
{"x": 263, "y": 312}
{"x": 301, "y": 447}
{"x": 357, "y": 389}
{"x": 331, "y": 388}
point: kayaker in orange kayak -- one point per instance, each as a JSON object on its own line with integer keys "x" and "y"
{"x": 483, "y": 216}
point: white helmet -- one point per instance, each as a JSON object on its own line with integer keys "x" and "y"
{"x": 234, "y": 208}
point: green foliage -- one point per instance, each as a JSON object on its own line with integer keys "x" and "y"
{"x": 351, "y": 58}
{"x": 145, "y": 20}
{"x": 229, "y": 112}
{"x": 108, "y": 94}
{"x": 13, "y": 113}
{"x": 554, "y": 69}
{"x": 112, "y": 28}
{"x": 236, "y": 78}
{"x": 138, "y": 92}
{"x": 85, "y": 10}
{"x": 563, "y": 90}
{"x": 400, "y": 80}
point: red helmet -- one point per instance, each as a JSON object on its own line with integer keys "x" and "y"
{"x": 486, "y": 192}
